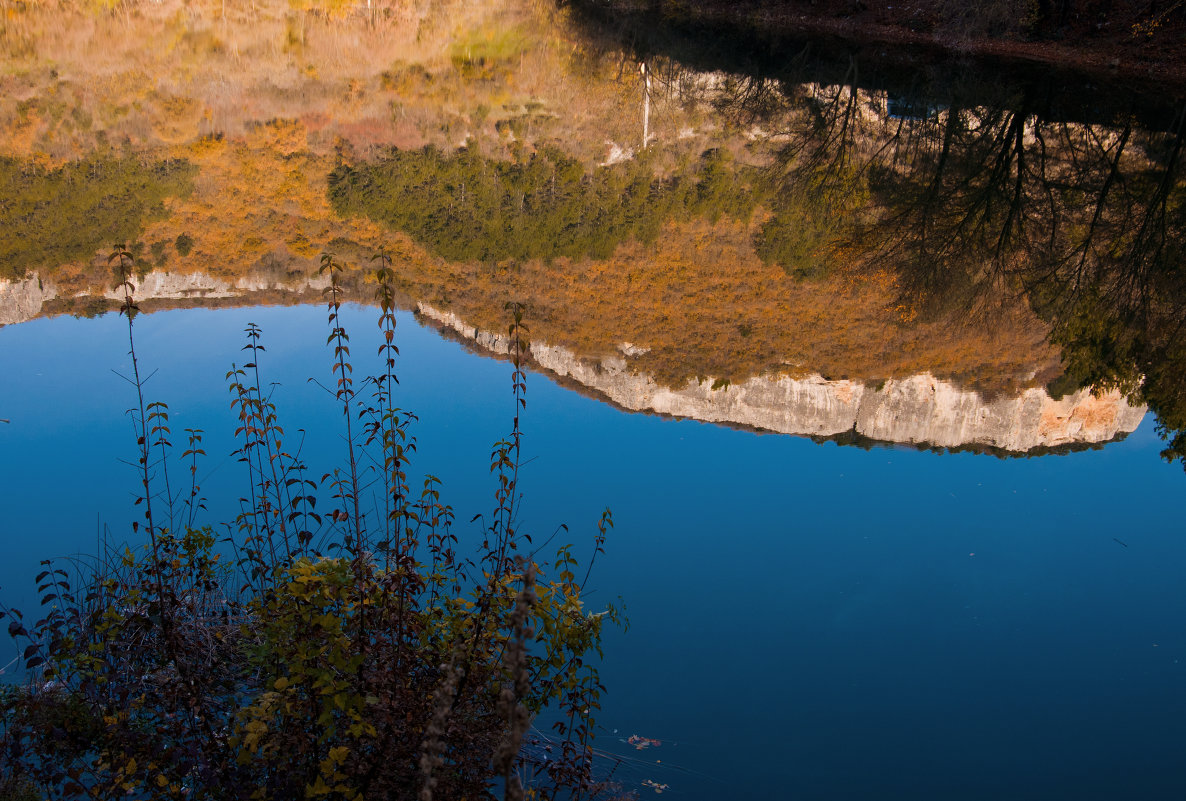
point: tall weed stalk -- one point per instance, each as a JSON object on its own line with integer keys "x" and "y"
{"x": 353, "y": 655}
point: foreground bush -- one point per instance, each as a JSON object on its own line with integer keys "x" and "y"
{"x": 348, "y": 654}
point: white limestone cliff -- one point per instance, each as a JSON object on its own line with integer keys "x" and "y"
{"x": 160, "y": 284}
{"x": 20, "y": 301}
{"x": 920, "y": 410}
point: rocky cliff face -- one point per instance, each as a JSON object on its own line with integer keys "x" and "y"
{"x": 920, "y": 410}
{"x": 166, "y": 285}
{"x": 21, "y": 301}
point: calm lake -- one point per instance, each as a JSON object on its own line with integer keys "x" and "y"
{"x": 824, "y": 345}
{"x": 805, "y": 620}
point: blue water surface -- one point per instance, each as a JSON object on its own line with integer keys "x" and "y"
{"x": 806, "y": 621}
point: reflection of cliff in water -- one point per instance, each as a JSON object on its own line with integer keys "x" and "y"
{"x": 24, "y": 300}
{"x": 971, "y": 183}
{"x": 798, "y": 208}
{"x": 918, "y": 410}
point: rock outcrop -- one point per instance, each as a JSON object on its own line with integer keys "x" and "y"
{"x": 20, "y": 301}
{"x": 175, "y": 286}
{"x": 920, "y": 410}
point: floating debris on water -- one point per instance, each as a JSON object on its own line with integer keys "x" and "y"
{"x": 643, "y": 742}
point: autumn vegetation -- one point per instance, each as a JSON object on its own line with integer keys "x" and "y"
{"x": 790, "y": 216}
{"x": 64, "y": 211}
{"x": 773, "y": 224}
{"x": 257, "y": 196}
{"x": 339, "y": 644}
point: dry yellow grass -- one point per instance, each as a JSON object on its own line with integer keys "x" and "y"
{"x": 264, "y": 98}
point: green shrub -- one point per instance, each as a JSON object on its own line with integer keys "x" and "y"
{"x": 51, "y": 217}
{"x": 466, "y": 207}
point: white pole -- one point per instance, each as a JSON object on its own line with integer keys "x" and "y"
{"x": 646, "y": 104}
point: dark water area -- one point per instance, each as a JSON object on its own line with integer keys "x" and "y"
{"x": 821, "y": 616}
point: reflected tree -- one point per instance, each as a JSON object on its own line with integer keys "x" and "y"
{"x": 978, "y": 198}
